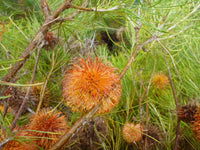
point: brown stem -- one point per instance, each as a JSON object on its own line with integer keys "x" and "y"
{"x": 45, "y": 8}
{"x": 176, "y": 101}
{"x": 82, "y": 8}
{"x": 27, "y": 94}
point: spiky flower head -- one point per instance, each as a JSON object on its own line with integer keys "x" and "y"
{"x": 160, "y": 81}
{"x": 89, "y": 82}
{"x": 195, "y": 126}
{"x": 186, "y": 113}
{"x": 132, "y": 132}
{"x": 48, "y": 126}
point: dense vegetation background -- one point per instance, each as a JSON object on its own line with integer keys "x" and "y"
{"x": 168, "y": 31}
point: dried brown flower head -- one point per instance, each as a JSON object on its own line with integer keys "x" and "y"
{"x": 16, "y": 99}
{"x": 186, "y": 113}
{"x": 88, "y": 83}
{"x": 49, "y": 125}
{"x": 154, "y": 138}
{"x": 132, "y": 132}
{"x": 195, "y": 126}
{"x": 50, "y": 40}
{"x": 160, "y": 81}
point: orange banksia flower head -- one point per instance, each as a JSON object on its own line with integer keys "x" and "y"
{"x": 49, "y": 125}
{"x": 132, "y": 132}
{"x": 89, "y": 82}
{"x": 195, "y": 126}
{"x": 160, "y": 81}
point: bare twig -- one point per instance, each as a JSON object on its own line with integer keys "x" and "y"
{"x": 70, "y": 18}
{"x": 28, "y": 92}
{"x": 45, "y": 8}
{"x": 95, "y": 9}
{"x": 176, "y": 101}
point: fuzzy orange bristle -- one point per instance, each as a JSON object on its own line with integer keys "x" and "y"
{"x": 132, "y": 132}
{"x": 160, "y": 81}
{"x": 49, "y": 125}
{"x": 88, "y": 83}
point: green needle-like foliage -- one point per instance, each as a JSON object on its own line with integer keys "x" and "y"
{"x": 110, "y": 34}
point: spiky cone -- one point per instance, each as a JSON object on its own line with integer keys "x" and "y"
{"x": 90, "y": 82}
{"x": 50, "y": 40}
{"x": 48, "y": 125}
{"x": 154, "y": 137}
{"x": 195, "y": 126}
{"x": 17, "y": 98}
{"x": 160, "y": 81}
{"x": 132, "y": 133}
{"x": 93, "y": 132}
{"x": 187, "y": 113}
